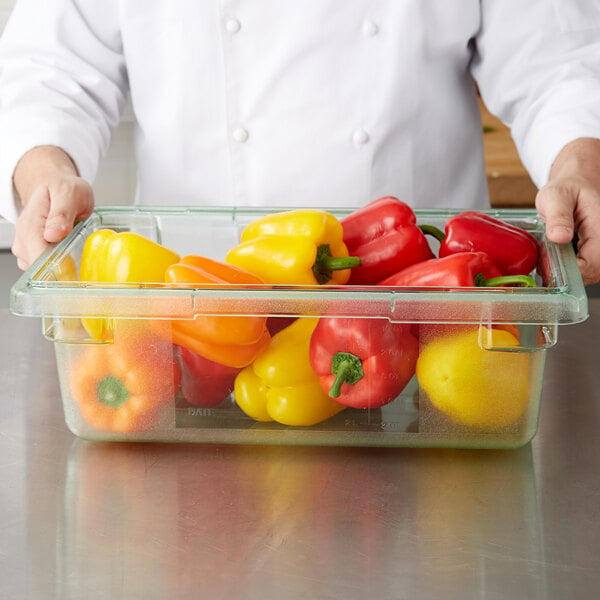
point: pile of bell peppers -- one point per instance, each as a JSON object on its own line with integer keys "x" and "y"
{"x": 294, "y": 371}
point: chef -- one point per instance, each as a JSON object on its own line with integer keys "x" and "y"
{"x": 313, "y": 103}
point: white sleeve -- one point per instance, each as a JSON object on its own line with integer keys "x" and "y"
{"x": 63, "y": 82}
{"x": 537, "y": 64}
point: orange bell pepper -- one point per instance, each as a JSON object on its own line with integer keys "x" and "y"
{"x": 121, "y": 387}
{"x": 230, "y": 340}
{"x": 65, "y": 270}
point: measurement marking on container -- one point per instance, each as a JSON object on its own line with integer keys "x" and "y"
{"x": 200, "y": 412}
{"x": 390, "y": 425}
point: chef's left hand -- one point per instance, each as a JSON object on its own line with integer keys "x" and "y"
{"x": 569, "y": 203}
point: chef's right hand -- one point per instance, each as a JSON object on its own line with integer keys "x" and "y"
{"x": 54, "y": 197}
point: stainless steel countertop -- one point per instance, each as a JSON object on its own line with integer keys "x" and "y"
{"x": 125, "y": 521}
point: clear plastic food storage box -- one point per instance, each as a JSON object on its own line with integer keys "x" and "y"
{"x": 477, "y": 381}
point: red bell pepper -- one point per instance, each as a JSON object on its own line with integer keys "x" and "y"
{"x": 363, "y": 363}
{"x": 385, "y": 236}
{"x": 512, "y": 249}
{"x": 463, "y": 269}
{"x": 276, "y": 323}
{"x": 204, "y": 382}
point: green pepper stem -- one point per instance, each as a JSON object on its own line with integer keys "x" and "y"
{"x": 338, "y": 263}
{"x": 436, "y": 232}
{"x": 347, "y": 368}
{"x": 511, "y": 280}
{"x": 325, "y": 263}
{"x": 112, "y": 392}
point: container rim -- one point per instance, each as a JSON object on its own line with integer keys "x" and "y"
{"x": 38, "y": 293}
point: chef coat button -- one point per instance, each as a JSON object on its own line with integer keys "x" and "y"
{"x": 360, "y": 137}
{"x": 369, "y": 27}
{"x": 232, "y": 25}
{"x": 240, "y": 135}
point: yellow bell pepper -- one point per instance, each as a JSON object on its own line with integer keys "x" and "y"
{"x": 109, "y": 256}
{"x": 297, "y": 247}
{"x": 479, "y": 388}
{"x": 280, "y": 384}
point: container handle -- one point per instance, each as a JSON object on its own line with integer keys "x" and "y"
{"x": 532, "y": 337}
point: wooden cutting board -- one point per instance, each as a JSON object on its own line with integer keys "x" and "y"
{"x": 509, "y": 183}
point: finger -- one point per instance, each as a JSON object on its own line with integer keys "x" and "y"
{"x": 71, "y": 200}
{"x": 27, "y": 253}
{"x": 588, "y": 243}
{"x": 29, "y": 240}
{"x": 590, "y": 273}
{"x": 555, "y": 204}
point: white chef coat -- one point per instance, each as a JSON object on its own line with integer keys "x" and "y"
{"x": 287, "y": 103}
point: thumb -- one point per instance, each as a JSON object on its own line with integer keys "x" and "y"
{"x": 556, "y": 204}
{"x": 70, "y": 201}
